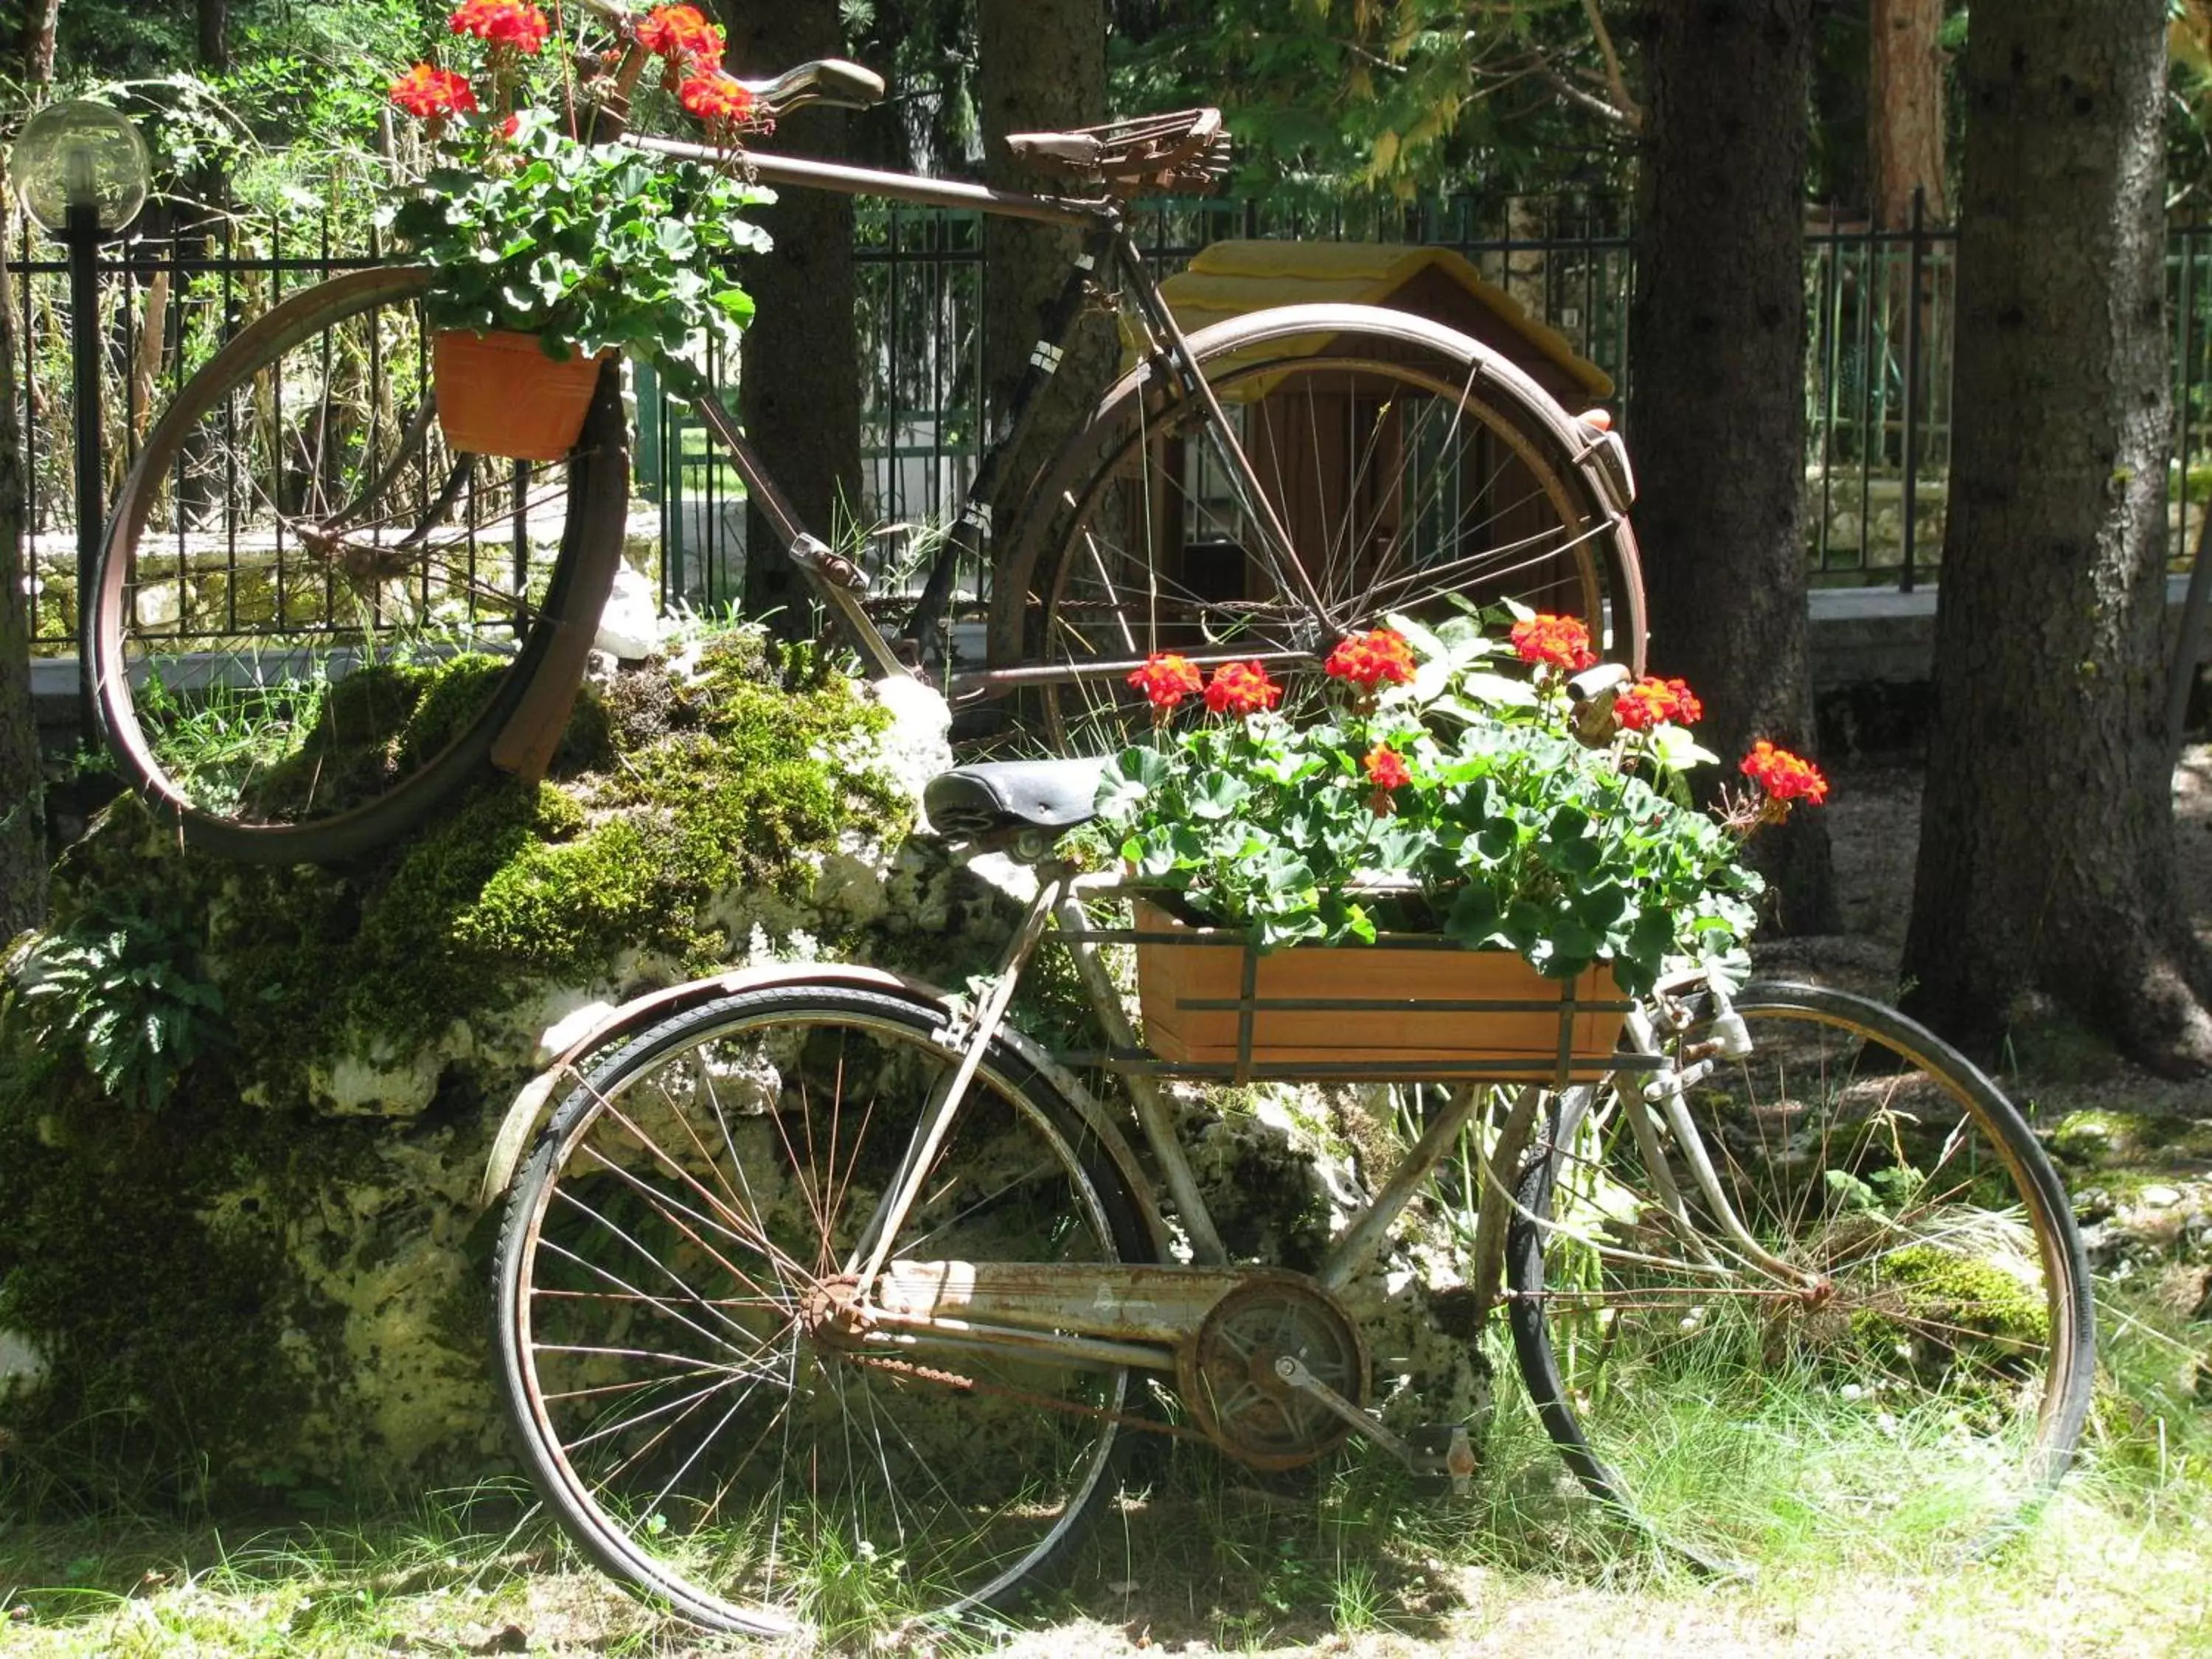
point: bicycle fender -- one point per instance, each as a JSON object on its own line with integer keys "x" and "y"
{"x": 534, "y": 1102}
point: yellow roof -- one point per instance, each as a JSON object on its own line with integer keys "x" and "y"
{"x": 1230, "y": 279}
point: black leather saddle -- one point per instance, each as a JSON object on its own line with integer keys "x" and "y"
{"x": 993, "y": 795}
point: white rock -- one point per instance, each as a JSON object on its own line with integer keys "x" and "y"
{"x": 21, "y": 1364}
{"x": 569, "y": 1026}
{"x": 918, "y": 746}
{"x": 2161, "y": 1198}
{"x": 630, "y": 627}
{"x": 357, "y": 1084}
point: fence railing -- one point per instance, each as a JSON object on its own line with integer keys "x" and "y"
{"x": 1878, "y": 389}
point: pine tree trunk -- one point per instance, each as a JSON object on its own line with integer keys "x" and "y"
{"x": 214, "y": 18}
{"x": 1040, "y": 67}
{"x": 40, "y": 17}
{"x": 800, "y": 387}
{"x": 1905, "y": 111}
{"x": 1718, "y": 413}
{"x": 23, "y": 807}
{"x": 2047, "y": 850}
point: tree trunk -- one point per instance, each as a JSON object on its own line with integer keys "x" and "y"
{"x": 2047, "y": 842}
{"x": 1904, "y": 112}
{"x": 1040, "y": 67}
{"x": 1717, "y": 406}
{"x": 41, "y": 18}
{"x": 22, "y": 806}
{"x": 800, "y": 385}
{"x": 214, "y": 34}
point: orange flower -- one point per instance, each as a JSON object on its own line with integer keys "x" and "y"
{"x": 432, "y": 92}
{"x": 1368, "y": 659}
{"x": 1241, "y": 688}
{"x": 1650, "y": 701}
{"x": 1386, "y": 770}
{"x": 1166, "y": 679}
{"x": 513, "y": 24}
{"x": 683, "y": 35}
{"x": 717, "y": 99}
{"x": 1784, "y": 776}
{"x": 1560, "y": 642}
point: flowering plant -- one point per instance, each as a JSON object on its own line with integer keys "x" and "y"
{"x": 527, "y": 227}
{"x": 1512, "y": 806}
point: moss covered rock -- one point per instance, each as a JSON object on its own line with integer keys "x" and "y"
{"x": 257, "y": 1262}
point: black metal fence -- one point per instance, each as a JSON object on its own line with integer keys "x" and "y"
{"x": 1878, "y": 383}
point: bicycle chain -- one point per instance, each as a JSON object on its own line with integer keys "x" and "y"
{"x": 955, "y": 1379}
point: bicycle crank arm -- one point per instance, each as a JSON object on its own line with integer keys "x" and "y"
{"x": 1454, "y": 1461}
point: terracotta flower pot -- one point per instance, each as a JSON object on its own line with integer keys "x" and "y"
{"x": 1399, "y": 1026}
{"x": 500, "y": 394}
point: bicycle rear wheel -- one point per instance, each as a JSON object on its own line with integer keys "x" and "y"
{"x": 1409, "y": 465}
{"x": 668, "y": 1280}
{"x": 312, "y": 618}
{"x": 1893, "y": 1357}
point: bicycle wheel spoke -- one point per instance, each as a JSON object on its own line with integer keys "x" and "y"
{"x": 1402, "y": 475}
{"x": 749, "y": 1483}
{"x": 1927, "y": 1373}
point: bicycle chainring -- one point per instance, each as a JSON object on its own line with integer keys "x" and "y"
{"x": 1229, "y": 1384}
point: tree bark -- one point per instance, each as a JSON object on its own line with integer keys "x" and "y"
{"x": 1905, "y": 114}
{"x": 22, "y": 805}
{"x": 1040, "y": 67}
{"x": 799, "y": 389}
{"x": 2047, "y": 840}
{"x": 213, "y": 17}
{"x": 41, "y": 18}
{"x": 1716, "y": 415}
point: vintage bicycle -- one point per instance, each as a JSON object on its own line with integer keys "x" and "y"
{"x": 824, "y": 1283}
{"x": 1254, "y": 488}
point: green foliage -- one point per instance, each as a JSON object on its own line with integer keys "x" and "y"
{"x": 1336, "y": 98}
{"x": 124, "y": 986}
{"x": 588, "y": 246}
{"x": 1516, "y": 833}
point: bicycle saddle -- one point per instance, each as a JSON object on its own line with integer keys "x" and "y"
{"x": 990, "y": 795}
{"x": 1185, "y": 152}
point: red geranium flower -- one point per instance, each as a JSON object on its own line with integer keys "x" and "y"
{"x": 716, "y": 98}
{"x": 1166, "y": 679}
{"x": 1386, "y": 770}
{"x": 513, "y": 24}
{"x": 431, "y": 93}
{"x": 1650, "y": 701}
{"x": 1561, "y": 641}
{"x": 1368, "y": 659}
{"x": 683, "y": 35}
{"x": 1241, "y": 688}
{"x": 1784, "y": 776}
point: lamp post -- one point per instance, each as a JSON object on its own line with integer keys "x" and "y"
{"x": 81, "y": 170}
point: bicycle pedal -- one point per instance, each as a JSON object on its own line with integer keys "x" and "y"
{"x": 1444, "y": 1461}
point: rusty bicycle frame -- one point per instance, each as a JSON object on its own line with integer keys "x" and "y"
{"x": 1149, "y": 1316}
{"x": 1109, "y": 247}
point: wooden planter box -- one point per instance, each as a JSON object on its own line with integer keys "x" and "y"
{"x": 1392, "y": 1008}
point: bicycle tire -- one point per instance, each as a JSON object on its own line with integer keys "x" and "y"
{"x": 1128, "y": 547}
{"x": 271, "y": 439}
{"x": 1919, "y": 1395}
{"x": 854, "y": 1498}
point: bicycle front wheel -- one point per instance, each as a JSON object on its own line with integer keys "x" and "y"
{"x": 312, "y": 617}
{"x": 1407, "y": 464}
{"x": 669, "y": 1278}
{"x": 1867, "y": 1332}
